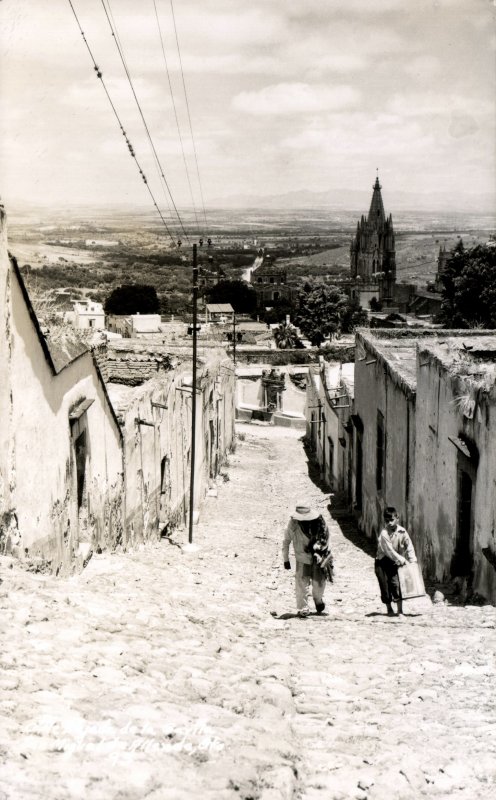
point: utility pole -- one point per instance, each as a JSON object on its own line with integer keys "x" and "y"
{"x": 193, "y": 399}
{"x": 234, "y": 337}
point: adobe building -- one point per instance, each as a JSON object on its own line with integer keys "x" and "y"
{"x": 88, "y": 314}
{"x": 61, "y": 468}
{"x": 134, "y": 326}
{"x": 95, "y": 447}
{"x": 425, "y": 442}
{"x": 455, "y": 490}
{"x": 330, "y": 392}
{"x": 151, "y": 392}
{"x": 384, "y": 423}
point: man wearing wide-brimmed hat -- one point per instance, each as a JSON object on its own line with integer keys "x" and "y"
{"x": 309, "y": 534}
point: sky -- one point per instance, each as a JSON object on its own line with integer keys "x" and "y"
{"x": 283, "y": 96}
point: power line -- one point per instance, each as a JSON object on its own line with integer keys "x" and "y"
{"x": 189, "y": 115}
{"x": 175, "y": 114}
{"x": 128, "y": 143}
{"x": 115, "y": 33}
{"x": 123, "y": 60}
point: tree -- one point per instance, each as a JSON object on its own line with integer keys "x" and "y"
{"x": 132, "y": 298}
{"x": 320, "y": 308}
{"x": 353, "y": 316}
{"x": 239, "y": 294}
{"x": 286, "y": 337}
{"x": 279, "y": 310}
{"x": 469, "y": 287}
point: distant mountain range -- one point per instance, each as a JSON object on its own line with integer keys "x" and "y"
{"x": 353, "y": 201}
{"x": 359, "y": 200}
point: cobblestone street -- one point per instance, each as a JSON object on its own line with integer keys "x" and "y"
{"x": 167, "y": 675}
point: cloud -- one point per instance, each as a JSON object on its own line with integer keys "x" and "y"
{"x": 442, "y": 103}
{"x": 462, "y": 125}
{"x": 295, "y": 98}
{"x": 201, "y": 28}
{"x": 424, "y": 66}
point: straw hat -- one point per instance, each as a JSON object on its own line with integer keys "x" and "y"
{"x": 304, "y": 512}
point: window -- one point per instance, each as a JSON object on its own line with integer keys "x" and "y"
{"x": 380, "y": 452}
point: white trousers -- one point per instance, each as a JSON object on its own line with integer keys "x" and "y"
{"x": 306, "y": 574}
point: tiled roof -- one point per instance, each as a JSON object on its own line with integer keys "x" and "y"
{"x": 220, "y": 308}
{"x": 65, "y": 349}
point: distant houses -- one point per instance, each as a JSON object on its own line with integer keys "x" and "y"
{"x": 89, "y": 314}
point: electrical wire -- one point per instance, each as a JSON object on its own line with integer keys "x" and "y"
{"x": 175, "y": 114}
{"x": 115, "y": 33}
{"x": 128, "y": 143}
{"x": 128, "y": 75}
{"x": 189, "y": 115}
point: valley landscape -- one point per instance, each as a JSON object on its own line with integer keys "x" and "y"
{"x": 92, "y": 251}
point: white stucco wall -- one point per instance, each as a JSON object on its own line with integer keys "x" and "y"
{"x": 376, "y": 390}
{"x": 439, "y": 417}
{"x": 250, "y": 391}
{"x": 38, "y": 469}
{"x": 151, "y": 506}
{"x": 334, "y": 460}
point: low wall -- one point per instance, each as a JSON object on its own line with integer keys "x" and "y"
{"x": 276, "y": 418}
{"x": 336, "y": 352}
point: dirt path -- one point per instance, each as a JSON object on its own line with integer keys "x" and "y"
{"x": 164, "y": 675}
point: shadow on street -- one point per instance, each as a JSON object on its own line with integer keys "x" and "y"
{"x": 349, "y": 529}
{"x": 339, "y": 514}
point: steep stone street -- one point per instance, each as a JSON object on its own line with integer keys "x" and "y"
{"x": 167, "y": 675}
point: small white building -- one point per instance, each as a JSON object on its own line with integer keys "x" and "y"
{"x": 219, "y": 312}
{"x": 142, "y": 324}
{"x": 88, "y": 314}
{"x": 134, "y": 326}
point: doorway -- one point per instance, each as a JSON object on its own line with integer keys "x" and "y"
{"x": 80, "y": 452}
{"x": 462, "y": 561}
{"x": 359, "y": 473}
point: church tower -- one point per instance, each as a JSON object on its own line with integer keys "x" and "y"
{"x": 372, "y": 253}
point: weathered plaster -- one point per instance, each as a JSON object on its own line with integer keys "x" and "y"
{"x": 37, "y": 461}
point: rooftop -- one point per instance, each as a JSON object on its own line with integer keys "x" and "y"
{"x": 469, "y": 350}
{"x": 220, "y": 308}
{"x": 473, "y": 359}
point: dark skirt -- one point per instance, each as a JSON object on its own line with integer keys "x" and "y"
{"x": 389, "y": 582}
